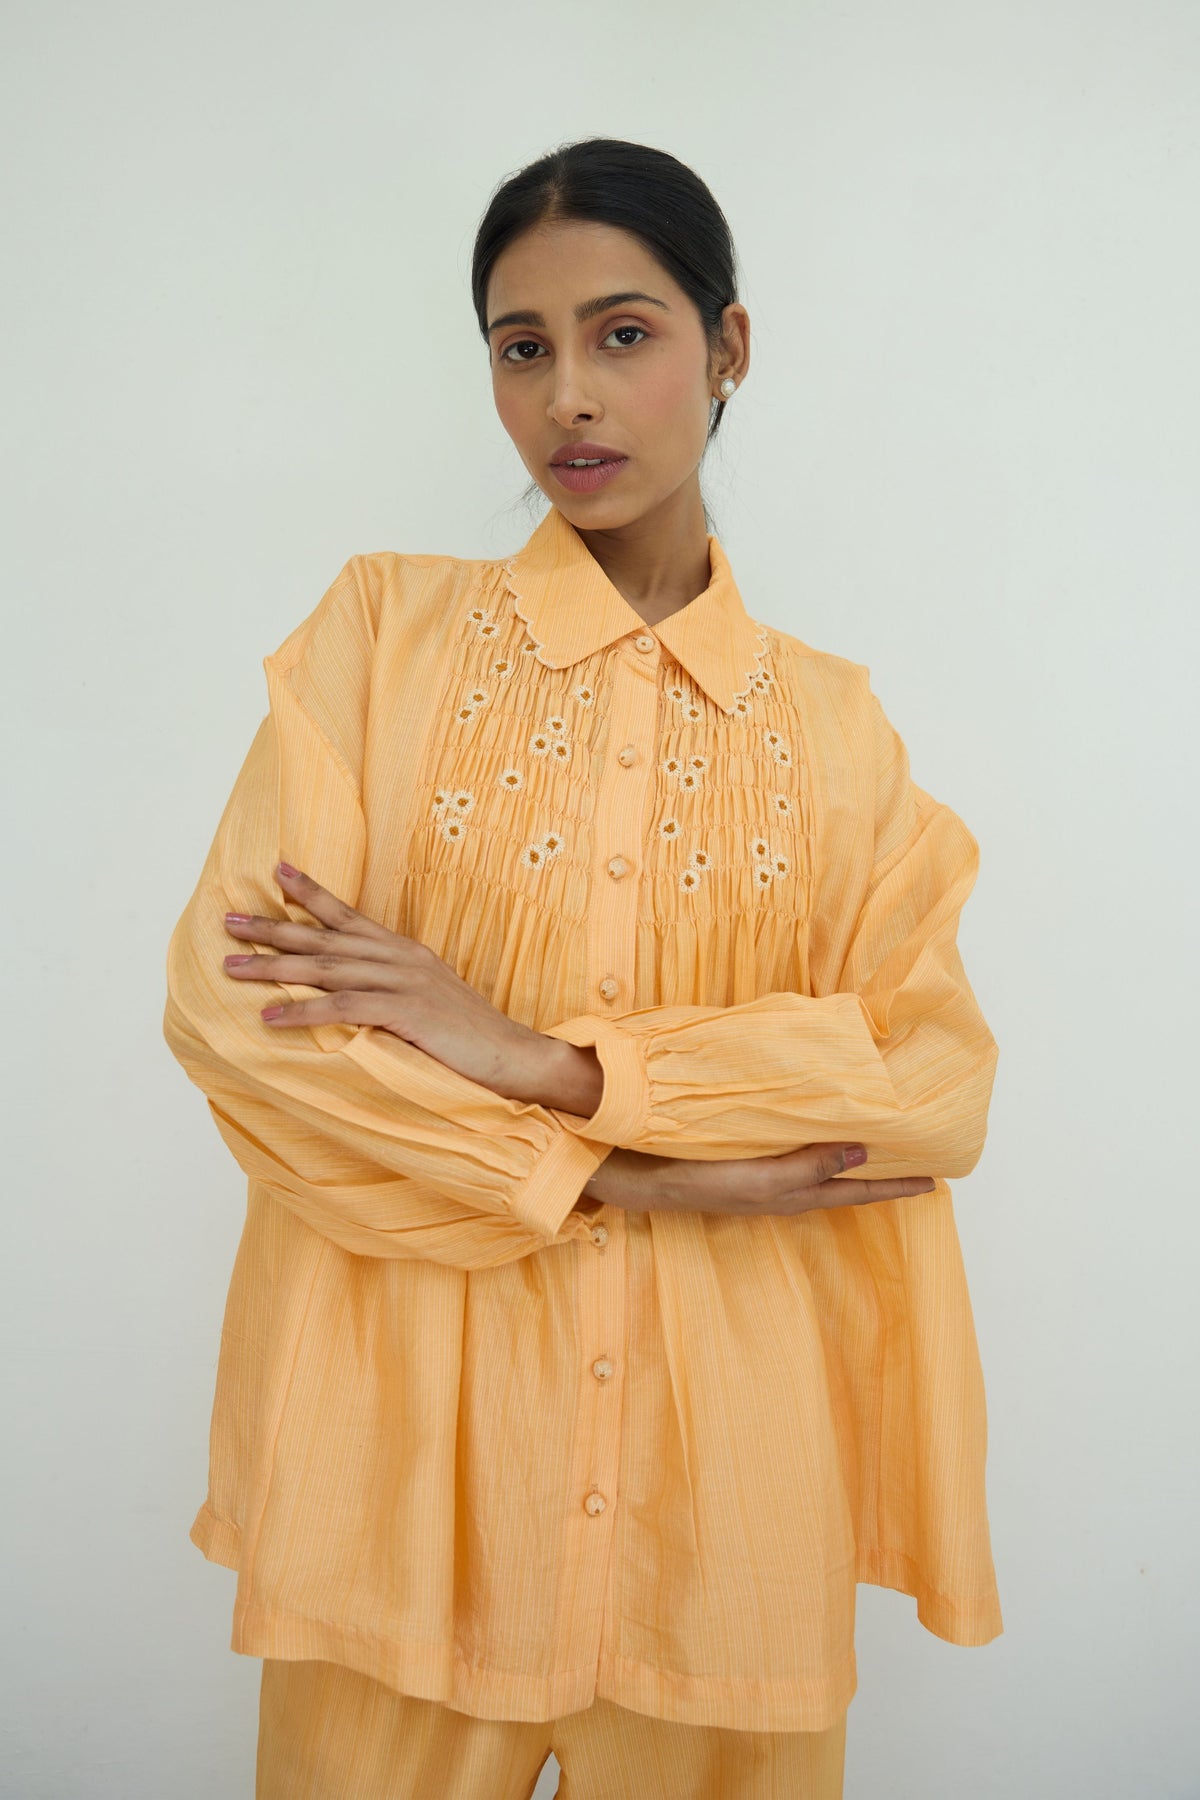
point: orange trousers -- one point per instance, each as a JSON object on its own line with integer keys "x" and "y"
{"x": 327, "y": 1732}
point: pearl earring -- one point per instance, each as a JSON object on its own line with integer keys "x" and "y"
{"x": 728, "y": 386}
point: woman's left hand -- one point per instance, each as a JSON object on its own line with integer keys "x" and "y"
{"x": 376, "y": 977}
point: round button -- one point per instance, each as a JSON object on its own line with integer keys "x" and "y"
{"x": 602, "y": 1368}
{"x": 608, "y": 988}
{"x": 644, "y": 641}
{"x": 617, "y": 867}
{"x": 599, "y": 1234}
{"x": 628, "y": 755}
{"x": 594, "y": 1503}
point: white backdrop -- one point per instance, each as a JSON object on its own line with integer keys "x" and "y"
{"x": 241, "y": 349}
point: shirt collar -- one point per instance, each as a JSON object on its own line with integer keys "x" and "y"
{"x": 572, "y": 609}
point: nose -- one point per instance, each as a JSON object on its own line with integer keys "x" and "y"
{"x": 571, "y": 399}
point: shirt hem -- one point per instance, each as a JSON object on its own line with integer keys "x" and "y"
{"x": 439, "y": 1672}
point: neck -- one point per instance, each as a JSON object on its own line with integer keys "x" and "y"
{"x": 659, "y": 561}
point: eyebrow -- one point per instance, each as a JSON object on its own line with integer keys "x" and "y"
{"x": 587, "y": 309}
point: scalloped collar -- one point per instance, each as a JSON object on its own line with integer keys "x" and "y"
{"x": 572, "y": 609}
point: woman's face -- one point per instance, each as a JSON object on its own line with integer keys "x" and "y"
{"x": 633, "y": 376}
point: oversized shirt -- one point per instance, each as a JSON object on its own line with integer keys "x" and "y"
{"x": 486, "y": 1447}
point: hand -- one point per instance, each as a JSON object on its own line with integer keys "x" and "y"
{"x": 376, "y": 977}
{"x": 797, "y": 1181}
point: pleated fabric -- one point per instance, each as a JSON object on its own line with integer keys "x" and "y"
{"x": 481, "y": 1444}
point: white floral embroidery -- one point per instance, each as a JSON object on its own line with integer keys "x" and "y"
{"x": 503, "y": 667}
{"x": 489, "y": 628}
{"x": 584, "y": 694}
{"x": 698, "y": 763}
{"x": 760, "y": 850}
{"x": 692, "y": 712}
{"x": 512, "y": 779}
{"x": 677, "y": 693}
{"x": 451, "y": 808}
{"x": 536, "y": 856}
{"x": 539, "y": 743}
{"x": 764, "y": 874}
{"x": 557, "y": 725}
{"x": 782, "y": 755}
{"x": 754, "y": 676}
{"x": 780, "y": 864}
{"x": 781, "y": 803}
{"x": 689, "y": 781}
{"x": 478, "y": 697}
{"x": 697, "y": 864}
{"x": 560, "y": 749}
{"x": 483, "y": 622}
{"x": 669, "y": 828}
{"x": 673, "y": 765}
{"x": 465, "y": 712}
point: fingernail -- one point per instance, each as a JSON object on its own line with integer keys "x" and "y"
{"x": 855, "y": 1153}
{"x": 287, "y": 869}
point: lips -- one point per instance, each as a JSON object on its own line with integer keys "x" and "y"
{"x": 589, "y": 451}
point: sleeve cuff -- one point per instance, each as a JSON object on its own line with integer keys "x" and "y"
{"x": 625, "y": 1100}
{"x": 543, "y": 1201}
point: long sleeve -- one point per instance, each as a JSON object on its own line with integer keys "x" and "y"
{"x": 372, "y": 1142}
{"x": 897, "y": 1055}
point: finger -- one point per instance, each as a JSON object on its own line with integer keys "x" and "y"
{"x": 336, "y": 913}
{"x": 347, "y": 1008}
{"x": 295, "y": 935}
{"x": 324, "y": 970}
{"x": 847, "y": 1192}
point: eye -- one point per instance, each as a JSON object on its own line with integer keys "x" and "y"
{"x": 531, "y": 343}
{"x": 617, "y": 328}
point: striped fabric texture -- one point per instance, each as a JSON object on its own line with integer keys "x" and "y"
{"x": 469, "y": 1438}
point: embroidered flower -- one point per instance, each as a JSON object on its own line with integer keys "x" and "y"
{"x": 512, "y": 779}
{"x": 478, "y": 697}
{"x": 489, "y": 628}
{"x": 453, "y": 829}
{"x": 689, "y": 879}
{"x": 556, "y": 725}
{"x": 782, "y": 755}
{"x": 465, "y": 712}
{"x": 441, "y": 798}
{"x": 740, "y": 710}
{"x": 478, "y": 615}
{"x": 781, "y": 803}
{"x": 771, "y": 739}
{"x": 760, "y": 682}
{"x": 699, "y": 763}
{"x": 674, "y": 767}
{"x": 764, "y": 874}
{"x": 677, "y": 693}
{"x": 669, "y": 828}
{"x": 760, "y": 850}
{"x": 699, "y": 860}
{"x": 584, "y": 694}
{"x": 560, "y": 749}
{"x": 536, "y": 856}
{"x": 692, "y": 712}
{"x": 780, "y": 864}
{"x": 539, "y": 743}
{"x": 503, "y": 667}
{"x": 462, "y": 801}
{"x": 689, "y": 781}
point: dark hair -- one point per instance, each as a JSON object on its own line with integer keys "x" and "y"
{"x": 644, "y": 191}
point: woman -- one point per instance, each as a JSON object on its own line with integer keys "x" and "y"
{"x": 567, "y": 1385}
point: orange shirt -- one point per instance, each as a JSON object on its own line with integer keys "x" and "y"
{"x": 500, "y": 1453}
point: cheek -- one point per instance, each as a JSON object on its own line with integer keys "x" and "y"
{"x": 667, "y": 393}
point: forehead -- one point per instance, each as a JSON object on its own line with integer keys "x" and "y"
{"x": 556, "y": 265}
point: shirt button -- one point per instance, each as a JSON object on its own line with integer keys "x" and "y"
{"x": 602, "y": 1368}
{"x": 594, "y": 1503}
{"x": 599, "y": 1234}
{"x": 628, "y": 755}
{"x": 618, "y": 867}
{"x": 608, "y": 988}
{"x": 644, "y": 641}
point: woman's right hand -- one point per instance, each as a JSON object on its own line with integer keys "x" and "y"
{"x": 797, "y": 1181}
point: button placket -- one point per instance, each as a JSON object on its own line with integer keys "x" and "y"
{"x": 619, "y": 810}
